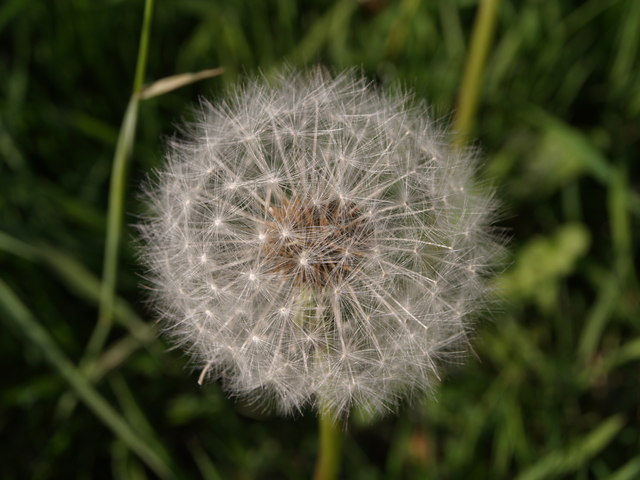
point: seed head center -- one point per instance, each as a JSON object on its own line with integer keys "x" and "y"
{"x": 316, "y": 244}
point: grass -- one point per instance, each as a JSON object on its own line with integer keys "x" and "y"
{"x": 552, "y": 389}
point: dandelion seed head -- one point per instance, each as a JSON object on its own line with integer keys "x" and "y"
{"x": 316, "y": 242}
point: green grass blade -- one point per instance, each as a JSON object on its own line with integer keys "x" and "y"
{"x": 22, "y": 318}
{"x": 114, "y": 229}
{"x": 10, "y": 10}
{"x": 630, "y": 471}
{"x": 599, "y": 315}
{"x": 627, "y": 353}
{"x": 135, "y": 415}
{"x": 480, "y": 42}
{"x": 205, "y": 465}
{"x": 322, "y": 30}
{"x": 143, "y": 48}
{"x": 621, "y": 222}
{"x": 561, "y": 462}
{"x": 173, "y": 82}
{"x": 80, "y": 281}
{"x": 123, "y": 151}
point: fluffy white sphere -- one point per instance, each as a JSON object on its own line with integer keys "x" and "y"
{"x": 314, "y": 241}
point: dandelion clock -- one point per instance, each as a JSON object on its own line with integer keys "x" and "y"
{"x": 315, "y": 242}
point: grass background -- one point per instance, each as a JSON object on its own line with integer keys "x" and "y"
{"x": 554, "y": 388}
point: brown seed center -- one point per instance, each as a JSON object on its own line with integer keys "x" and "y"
{"x": 316, "y": 244}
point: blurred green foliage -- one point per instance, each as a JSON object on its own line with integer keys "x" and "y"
{"x": 553, "y": 389}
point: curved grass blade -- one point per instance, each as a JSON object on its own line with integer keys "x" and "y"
{"x": 124, "y": 147}
{"x": 22, "y": 318}
{"x": 562, "y": 462}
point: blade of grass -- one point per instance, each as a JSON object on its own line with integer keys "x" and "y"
{"x": 599, "y": 315}
{"x": 114, "y": 356}
{"x": 481, "y": 38}
{"x": 85, "y": 285}
{"x": 626, "y": 353}
{"x": 80, "y": 281}
{"x": 626, "y": 54}
{"x": 135, "y": 416}
{"x": 173, "y": 82}
{"x": 9, "y": 150}
{"x": 561, "y": 462}
{"x": 398, "y": 32}
{"x": 124, "y": 147}
{"x": 124, "y": 466}
{"x": 321, "y": 31}
{"x": 629, "y": 471}
{"x": 23, "y": 319}
{"x": 584, "y": 14}
{"x": 114, "y": 228}
{"x": 10, "y": 10}
{"x": 207, "y": 469}
{"x": 17, "y": 247}
{"x": 451, "y": 28}
{"x": 618, "y": 206}
{"x": 611, "y": 290}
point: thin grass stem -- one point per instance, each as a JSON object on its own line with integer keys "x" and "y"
{"x": 121, "y": 158}
{"x": 481, "y": 38}
{"x": 23, "y": 319}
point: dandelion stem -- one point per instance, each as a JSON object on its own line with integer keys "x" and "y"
{"x": 121, "y": 157}
{"x": 479, "y": 44}
{"x": 328, "y": 462}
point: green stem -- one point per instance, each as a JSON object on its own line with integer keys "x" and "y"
{"x": 328, "y": 463}
{"x": 481, "y": 38}
{"x": 121, "y": 157}
{"x": 143, "y": 47}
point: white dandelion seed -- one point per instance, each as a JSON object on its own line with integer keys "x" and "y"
{"x": 314, "y": 241}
